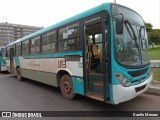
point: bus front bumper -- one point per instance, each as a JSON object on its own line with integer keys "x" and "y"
{"x": 122, "y": 94}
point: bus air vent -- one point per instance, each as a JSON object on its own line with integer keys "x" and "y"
{"x": 140, "y": 88}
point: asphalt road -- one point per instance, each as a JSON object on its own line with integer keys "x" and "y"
{"x": 29, "y": 95}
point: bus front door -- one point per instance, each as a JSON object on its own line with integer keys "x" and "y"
{"x": 96, "y": 62}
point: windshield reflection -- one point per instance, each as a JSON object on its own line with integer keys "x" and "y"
{"x": 131, "y": 48}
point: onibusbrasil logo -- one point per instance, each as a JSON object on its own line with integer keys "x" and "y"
{"x": 21, "y": 114}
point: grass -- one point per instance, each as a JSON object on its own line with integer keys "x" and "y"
{"x": 156, "y": 74}
{"x": 154, "y": 53}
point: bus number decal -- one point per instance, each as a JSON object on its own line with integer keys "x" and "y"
{"x": 61, "y": 64}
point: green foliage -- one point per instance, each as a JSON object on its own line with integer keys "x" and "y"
{"x": 153, "y": 34}
{"x": 156, "y": 36}
{"x": 148, "y": 27}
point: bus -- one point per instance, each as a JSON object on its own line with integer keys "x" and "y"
{"x": 101, "y": 53}
{"x": 3, "y": 58}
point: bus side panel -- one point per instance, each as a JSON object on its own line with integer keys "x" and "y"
{"x": 78, "y": 84}
{"x": 44, "y": 70}
{"x": 43, "y": 77}
{"x": 41, "y": 70}
{"x": 51, "y": 65}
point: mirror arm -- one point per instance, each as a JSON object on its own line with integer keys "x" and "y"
{"x": 115, "y": 14}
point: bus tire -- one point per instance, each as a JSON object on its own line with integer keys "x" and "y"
{"x": 66, "y": 87}
{"x": 19, "y": 76}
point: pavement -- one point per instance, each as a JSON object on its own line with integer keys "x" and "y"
{"x": 154, "y": 88}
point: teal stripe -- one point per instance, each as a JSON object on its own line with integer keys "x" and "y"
{"x": 56, "y": 55}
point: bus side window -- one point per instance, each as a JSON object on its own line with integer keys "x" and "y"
{"x": 25, "y": 47}
{"x": 49, "y": 44}
{"x": 35, "y": 45}
{"x": 68, "y": 38}
{"x": 18, "y": 49}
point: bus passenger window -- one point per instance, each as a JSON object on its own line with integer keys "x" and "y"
{"x": 35, "y": 48}
{"x": 18, "y": 49}
{"x": 68, "y": 45}
{"x": 68, "y": 38}
{"x": 25, "y": 47}
{"x": 49, "y": 42}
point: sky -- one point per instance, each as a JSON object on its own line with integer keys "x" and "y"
{"x": 47, "y": 12}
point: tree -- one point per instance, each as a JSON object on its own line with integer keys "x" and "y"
{"x": 153, "y": 34}
{"x": 148, "y": 27}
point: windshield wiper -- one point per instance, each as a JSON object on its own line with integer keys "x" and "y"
{"x": 131, "y": 31}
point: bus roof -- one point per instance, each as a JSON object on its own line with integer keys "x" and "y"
{"x": 99, "y": 8}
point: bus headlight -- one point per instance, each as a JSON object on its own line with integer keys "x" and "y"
{"x": 122, "y": 79}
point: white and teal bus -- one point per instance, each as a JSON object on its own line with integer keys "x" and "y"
{"x": 101, "y": 53}
{"x": 3, "y": 58}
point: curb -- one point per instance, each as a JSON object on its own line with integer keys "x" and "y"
{"x": 154, "y": 88}
{"x": 155, "y": 63}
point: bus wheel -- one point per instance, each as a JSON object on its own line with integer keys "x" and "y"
{"x": 66, "y": 87}
{"x": 19, "y": 76}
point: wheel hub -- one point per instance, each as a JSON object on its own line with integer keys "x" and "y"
{"x": 67, "y": 87}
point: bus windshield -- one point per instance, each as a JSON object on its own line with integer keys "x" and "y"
{"x": 131, "y": 47}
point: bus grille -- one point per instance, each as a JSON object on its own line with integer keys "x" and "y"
{"x": 137, "y": 81}
{"x": 138, "y": 73}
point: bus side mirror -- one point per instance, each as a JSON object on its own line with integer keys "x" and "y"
{"x": 119, "y": 26}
